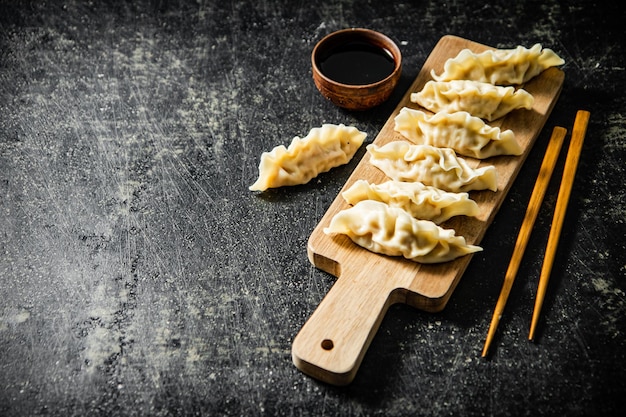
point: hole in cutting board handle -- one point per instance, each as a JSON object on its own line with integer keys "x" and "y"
{"x": 327, "y": 344}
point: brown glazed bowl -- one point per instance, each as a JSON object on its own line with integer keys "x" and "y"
{"x": 349, "y": 95}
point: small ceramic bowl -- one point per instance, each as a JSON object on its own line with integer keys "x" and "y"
{"x": 356, "y": 69}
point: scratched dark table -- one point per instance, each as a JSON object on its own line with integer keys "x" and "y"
{"x": 139, "y": 276}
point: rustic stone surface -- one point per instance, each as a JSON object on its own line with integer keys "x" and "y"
{"x": 139, "y": 276}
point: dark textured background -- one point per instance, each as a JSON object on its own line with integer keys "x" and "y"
{"x": 139, "y": 276}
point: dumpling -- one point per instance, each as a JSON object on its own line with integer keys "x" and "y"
{"x": 500, "y": 66}
{"x": 392, "y": 231}
{"x": 466, "y": 134}
{"x": 323, "y": 148}
{"x": 480, "y": 99}
{"x": 439, "y": 167}
{"x": 420, "y": 201}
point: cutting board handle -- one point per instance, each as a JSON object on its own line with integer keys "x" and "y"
{"x": 331, "y": 344}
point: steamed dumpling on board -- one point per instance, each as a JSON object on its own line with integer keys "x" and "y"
{"x": 323, "y": 148}
{"x": 420, "y": 201}
{"x": 500, "y": 66}
{"x": 480, "y": 99}
{"x": 466, "y": 134}
{"x": 439, "y": 167}
{"x": 392, "y": 231}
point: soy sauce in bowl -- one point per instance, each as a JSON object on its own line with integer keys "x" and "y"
{"x": 357, "y": 63}
{"x": 357, "y": 68}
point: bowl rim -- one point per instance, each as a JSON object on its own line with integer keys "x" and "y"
{"x": 357, "y": 31}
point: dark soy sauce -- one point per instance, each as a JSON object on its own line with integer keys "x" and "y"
{"x": 357, "y": 63}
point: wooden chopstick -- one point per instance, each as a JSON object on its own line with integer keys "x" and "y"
{"x": 536, "y": 198}
{"x": 569, "y": 172}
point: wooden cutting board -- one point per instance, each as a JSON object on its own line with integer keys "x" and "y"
{"x": 331, "y": 344}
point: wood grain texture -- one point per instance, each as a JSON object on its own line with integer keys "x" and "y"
{"x": 569, "y": 173}
{"x": 536, "y": 199}
{"x": 369, "y": 283}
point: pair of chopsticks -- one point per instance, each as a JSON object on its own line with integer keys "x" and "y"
{"x": 543, "y": 179}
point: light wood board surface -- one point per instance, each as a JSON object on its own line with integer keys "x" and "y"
{"x": 331, "y": 344}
